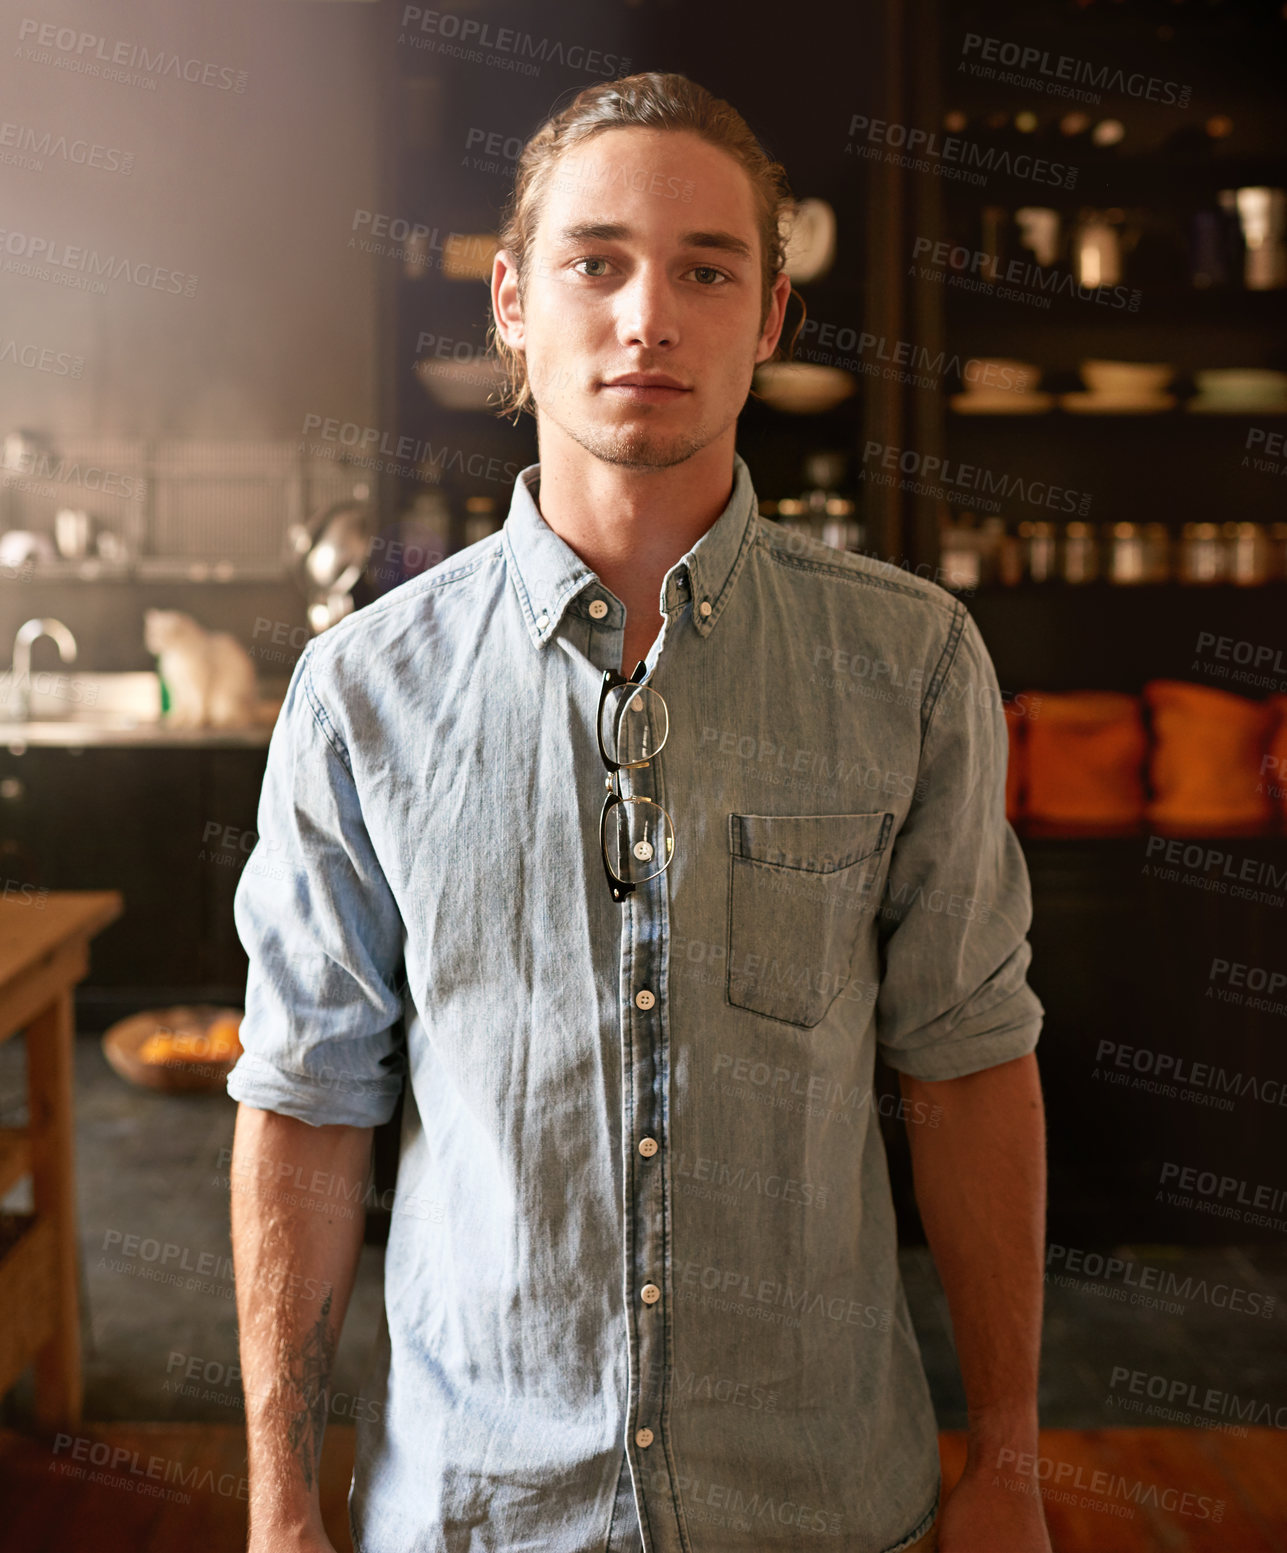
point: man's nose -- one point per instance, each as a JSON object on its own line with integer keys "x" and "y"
{"x": 647, "y": 313}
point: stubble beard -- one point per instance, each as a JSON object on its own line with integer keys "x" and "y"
{"x": 639, "y": 447}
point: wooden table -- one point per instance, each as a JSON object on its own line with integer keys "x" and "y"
{"x": 44, "y": 952}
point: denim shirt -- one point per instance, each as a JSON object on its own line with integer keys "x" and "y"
{"x": 642, "y": 1202}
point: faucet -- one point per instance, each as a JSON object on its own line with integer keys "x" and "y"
{"x": 28, "y": 632}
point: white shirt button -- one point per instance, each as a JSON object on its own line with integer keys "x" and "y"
{"x": 644, "y": 998}
{"x": 643, "y": 1437}
{"x": 542, "y": 621}
{"x": 650, "y": 1294}
{"x": 704, "y": 608}
{"x": 647, "y": 1147}
{"x": 598, "y": 609}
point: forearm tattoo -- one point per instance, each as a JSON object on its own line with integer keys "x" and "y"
{"x": 310, "y": 1367}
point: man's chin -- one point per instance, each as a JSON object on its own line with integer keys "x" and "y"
{"x": 638, "y": 448}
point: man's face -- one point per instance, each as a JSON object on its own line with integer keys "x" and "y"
{"x": 645, "y": 263}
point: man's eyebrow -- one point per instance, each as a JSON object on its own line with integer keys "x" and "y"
{"x": 610, "y": 232}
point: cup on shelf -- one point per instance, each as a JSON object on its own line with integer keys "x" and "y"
{"x": 1262, "y": 214}
{"x": 73, "y": 530}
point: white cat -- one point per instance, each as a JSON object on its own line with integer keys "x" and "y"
{"x": 210, "y": 675}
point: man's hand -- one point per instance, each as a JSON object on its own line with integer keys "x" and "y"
{"x": 993, "y": 1512}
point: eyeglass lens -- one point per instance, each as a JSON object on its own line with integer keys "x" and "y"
{"x": 634, "y": 724}
{"x": 639, "y": 839}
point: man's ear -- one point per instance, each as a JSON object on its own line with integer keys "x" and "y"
{"x": 774, "y": 318}
{"x": 506, "y": 306}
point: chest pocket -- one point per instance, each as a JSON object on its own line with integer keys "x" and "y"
{"x": 800, "y": 888}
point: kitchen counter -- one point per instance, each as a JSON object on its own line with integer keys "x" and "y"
{"x": 73, "y": 709}
{"x": 77, "y": 734}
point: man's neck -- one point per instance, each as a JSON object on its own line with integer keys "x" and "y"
{"x": 630, "y": 526}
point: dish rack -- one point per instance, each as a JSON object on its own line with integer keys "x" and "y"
{"x": 180, "y": 509}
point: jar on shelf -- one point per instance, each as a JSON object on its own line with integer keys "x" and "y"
{"x": 1002, "y": 557}
{"x": 1277, "y": 544}
{"x": 1246, "y": 553}
{"x": 1201, "y": 553}
{"x": 1157, "y": 552}
{"x": 1037, "y": 546}
{"x": 1126, "y": 553}
{"x": 1081, "y": 557}
{"x": 960, "y": 554}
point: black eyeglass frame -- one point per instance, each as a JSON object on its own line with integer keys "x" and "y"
{"x": 621, "y": 888}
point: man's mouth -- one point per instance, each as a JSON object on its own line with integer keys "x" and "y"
{"x": 647, "y": 387}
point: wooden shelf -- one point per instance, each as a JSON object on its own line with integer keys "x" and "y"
{"x": 15, "y": 1156}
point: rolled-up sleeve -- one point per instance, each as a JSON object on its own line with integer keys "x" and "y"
{"x": 321, "y": 1038}
{"x": 952, "y": 928}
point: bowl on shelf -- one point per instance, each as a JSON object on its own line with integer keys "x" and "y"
{"x": 185, "y": 1049}
{"x": 801, "y": 388}
{"x": 1251, "y": 388}
{"x": 1142, "y": 380}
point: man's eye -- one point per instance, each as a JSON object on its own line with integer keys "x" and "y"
{"x": 592, "y": 261}
{"x": 709, "y": 269}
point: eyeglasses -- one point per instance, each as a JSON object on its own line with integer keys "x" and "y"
{"x": 636, "y": 836}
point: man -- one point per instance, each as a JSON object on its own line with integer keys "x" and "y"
{"x": 647, "y": 936}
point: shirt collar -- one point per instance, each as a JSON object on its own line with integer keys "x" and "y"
{"x": 551, "y": 578}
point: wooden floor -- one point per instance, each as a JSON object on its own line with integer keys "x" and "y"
{"x": 109, "y": 1501}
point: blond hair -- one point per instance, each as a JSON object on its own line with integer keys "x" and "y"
{"x": 649, "y": 100}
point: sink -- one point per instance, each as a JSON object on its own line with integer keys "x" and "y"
{"x": 69, "y": 695}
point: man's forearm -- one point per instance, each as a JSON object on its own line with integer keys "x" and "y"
{"x": 298, "y": 1211}
{"x": 980, "y": 1178}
